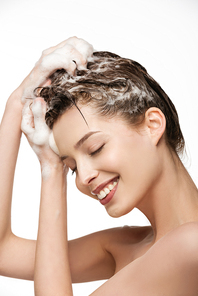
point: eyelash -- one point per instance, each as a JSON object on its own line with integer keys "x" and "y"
{"x": 91, "y": 154}
{"x": 74, "y": 170}
{"x": 97, "y": 151}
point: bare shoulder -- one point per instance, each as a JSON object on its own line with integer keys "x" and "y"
{"x": 179, "y": 247}
{"x": 99, "y": 255}
{"x": 169, "y": 267}
{"x": 181, "y": 242}
{"x": 126, "y": 238}
{"x": 131, "y": 234}
{"x": 126, "y": 244}
{"x": 184, "y": 241}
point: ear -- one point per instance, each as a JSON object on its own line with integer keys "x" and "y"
{"x": 155, "y": 122}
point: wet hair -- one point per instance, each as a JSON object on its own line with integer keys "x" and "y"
{"x": 113, "y": 86}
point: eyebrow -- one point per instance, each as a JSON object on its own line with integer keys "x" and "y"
{"x": 84, "y": 138}
{"x": 80, "y": 142}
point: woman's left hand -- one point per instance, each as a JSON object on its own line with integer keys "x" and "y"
{"x": 38, "y": 133}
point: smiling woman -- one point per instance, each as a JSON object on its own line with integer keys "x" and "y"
{"x": 124, "y": 148}
{"x": 105, "y": 105}
{"x": 114, "y": 126}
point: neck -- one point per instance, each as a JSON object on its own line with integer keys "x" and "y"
{"x": 173, "y": 201}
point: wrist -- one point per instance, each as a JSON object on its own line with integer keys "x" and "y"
{"x": 51, "y": 170}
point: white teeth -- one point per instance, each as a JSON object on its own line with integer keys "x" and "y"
{"x": 102, "y": 194}
{"x": 106, "y": 190}
{"x": 110, "y": 186}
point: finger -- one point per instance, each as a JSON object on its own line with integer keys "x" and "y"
{"x": 41, "y": 131}
{"x": 70, "y": 40}
{"x": 83, "y": 47}
{"x": 69, "y": 53}
{"x": 52, "y": 48}
{"x": 79, "y": 59}
{"x": 55, "y": 61}
{"x": 79, "y": 49}
{"x": 46, "y": 83}
{"x": 49, "y": 64}
{"x": 63, "y": 57}
{"x": 39, "y": 110}
{"x": 27, "y": 120}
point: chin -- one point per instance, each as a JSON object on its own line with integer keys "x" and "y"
{"x": 117, "y": 212}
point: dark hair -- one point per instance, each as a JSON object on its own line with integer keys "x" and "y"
{"x": 113, "y": 86}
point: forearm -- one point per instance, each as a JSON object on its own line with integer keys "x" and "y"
{"x": 52, "y": 272}
{"x": 10, "y": 135}
{"x": 16, "y": 254}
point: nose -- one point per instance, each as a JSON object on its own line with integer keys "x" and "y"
{"x": 86, "y": 175}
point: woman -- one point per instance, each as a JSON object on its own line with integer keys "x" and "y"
{"x": 118, "y": 131}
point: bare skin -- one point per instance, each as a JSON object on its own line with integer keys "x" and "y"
{"x": 174, "y": 195}
{"x": 157, "y": 260}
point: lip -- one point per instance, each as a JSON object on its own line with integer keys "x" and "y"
{"x": 103, "y": 185}
{"x": 109, "y": 196}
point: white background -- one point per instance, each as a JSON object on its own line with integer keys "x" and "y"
{"x": 161, "y": 35}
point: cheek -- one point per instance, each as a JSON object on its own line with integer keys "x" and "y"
{"x": 135, "y": 161}
{"x": 142, "y": 169}
{"x": 110, "y": 159}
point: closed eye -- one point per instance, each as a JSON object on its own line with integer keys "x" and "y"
{"x": 96, "y": 151}
{"x": 91, "y": 154}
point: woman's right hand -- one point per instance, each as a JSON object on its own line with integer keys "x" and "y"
{"x": 70, "y": 55}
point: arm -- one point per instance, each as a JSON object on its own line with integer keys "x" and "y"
{"x": 10, "y": 245}
{"x": 52, "y": 271}
{"x": 17, "y": 255}
{"x": 52, "y": 263}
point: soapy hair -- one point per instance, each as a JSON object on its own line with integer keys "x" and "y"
{"x": 112, "y": 86}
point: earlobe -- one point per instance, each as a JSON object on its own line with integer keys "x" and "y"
{"x": 156, "y": 124}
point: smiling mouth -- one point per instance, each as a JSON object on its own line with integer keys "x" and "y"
{"x": 105, "y": 191}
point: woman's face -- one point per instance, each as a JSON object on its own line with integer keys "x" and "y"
{"x": 113, "y": 162}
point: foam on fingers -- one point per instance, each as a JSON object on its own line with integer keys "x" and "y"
{"x": 27, "y": 120}
{"x": 85, "y": 48}
{"x": 55, "y": 61}
{"x": 41, "y": 130}
{"x": 39, "y": 109}
{"x": 70, "y": 54}
{"x": 33, "y": 123}
{"x": 39, "y": 135}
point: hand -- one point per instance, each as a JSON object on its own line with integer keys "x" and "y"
{"x": 38, "y": 133}
{"x": 70, "y": 55}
